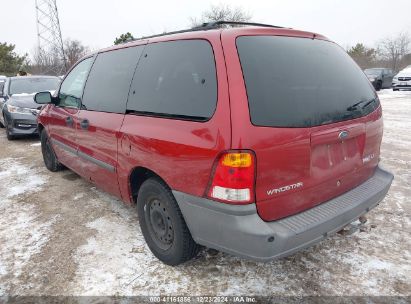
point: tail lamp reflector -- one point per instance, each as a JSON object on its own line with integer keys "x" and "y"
{"x": 233, "y": 180}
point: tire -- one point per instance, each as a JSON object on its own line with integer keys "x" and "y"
{"x": 9, "y": 135}
{"x": 163, "y": 225}
{"x": 395, "y": 89}
{"x": 378, "y": 87}
{"x": 49, "y": 157}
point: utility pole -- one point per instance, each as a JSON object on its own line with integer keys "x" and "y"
{"x": 50, "y": 41}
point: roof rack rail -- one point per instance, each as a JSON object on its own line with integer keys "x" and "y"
{"x": 217, "y": 23}
{"x": 207, "y": 26}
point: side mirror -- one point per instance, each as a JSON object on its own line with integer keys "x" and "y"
{"x": 43, "y": 98}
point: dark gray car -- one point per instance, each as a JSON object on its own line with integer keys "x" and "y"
{"x": 18, "y": 111}
{"x": 381, "y": 78}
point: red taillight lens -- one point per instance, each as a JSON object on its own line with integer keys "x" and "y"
{"x": 233, "y": 180}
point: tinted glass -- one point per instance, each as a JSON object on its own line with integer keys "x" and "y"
{"x": 72, "y": 87}
{"x": 298, "y": 82}
{"x": 176, "y": 79}
{"x": 109, "y": 81}
{"x": 33, "y": 85}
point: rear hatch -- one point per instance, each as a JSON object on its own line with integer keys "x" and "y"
{"x": 316, "y": 124}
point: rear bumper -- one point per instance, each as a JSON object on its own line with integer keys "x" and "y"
{"x": 239, "y": 230}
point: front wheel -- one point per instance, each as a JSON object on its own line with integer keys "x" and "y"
{"x": 163, "y": 225}
{"x": 9, "y": 135}
{"x": 49, "y": 157}
{"x": 378, "y": 86}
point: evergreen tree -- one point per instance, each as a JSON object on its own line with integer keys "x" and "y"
{"x": 10, "y": 62}
{"x": 123, "y": 38}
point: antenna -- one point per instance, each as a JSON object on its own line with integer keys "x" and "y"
{"x": 50, "y": 41}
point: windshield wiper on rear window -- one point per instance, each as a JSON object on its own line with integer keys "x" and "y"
{"x": 363, "y": 103}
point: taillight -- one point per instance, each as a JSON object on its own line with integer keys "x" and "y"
{"x": 233, "y": 179}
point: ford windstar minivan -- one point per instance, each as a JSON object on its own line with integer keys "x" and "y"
{"x": 254, "y": 140}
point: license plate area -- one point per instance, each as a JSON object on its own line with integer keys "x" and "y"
{"x": 333, "y": 155}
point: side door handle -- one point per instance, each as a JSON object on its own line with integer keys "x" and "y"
{"x": 69, "y": 121}
{"x": 84, "y": 124}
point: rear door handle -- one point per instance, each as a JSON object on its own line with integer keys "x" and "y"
{"x": 69, "y": 121}
{"x": 84, "y": 124}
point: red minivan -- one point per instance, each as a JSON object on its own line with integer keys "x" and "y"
{"x": 254, "y": 140}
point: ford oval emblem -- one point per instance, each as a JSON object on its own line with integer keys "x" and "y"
{"x": 343, "y": 135}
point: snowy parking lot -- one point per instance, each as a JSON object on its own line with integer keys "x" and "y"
{"x": 59, "y": 235}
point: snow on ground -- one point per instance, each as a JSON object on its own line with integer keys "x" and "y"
{"x": 76, "y": 240}
{"x": 21, "y": 234}
{"x": 18, "y": 178}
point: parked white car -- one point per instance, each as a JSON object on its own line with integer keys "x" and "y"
{"x": 402, "y": 80}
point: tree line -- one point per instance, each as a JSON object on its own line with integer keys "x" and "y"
{"x": 42, "y": 62}
{"x": 390, "y": 52}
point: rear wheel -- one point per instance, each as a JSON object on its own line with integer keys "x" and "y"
{"x": 395, "y": 89}
{"x": 163, "y": 225}
{"x": 49, "y": 157}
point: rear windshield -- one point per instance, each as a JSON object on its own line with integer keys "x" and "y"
{"x": 33, "y": 85}
{"x": 300, "y": 82}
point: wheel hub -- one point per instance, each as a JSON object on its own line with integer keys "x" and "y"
{"x": 160, "y": 223}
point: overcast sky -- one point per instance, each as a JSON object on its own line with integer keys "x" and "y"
{"x": 96, "y": 23}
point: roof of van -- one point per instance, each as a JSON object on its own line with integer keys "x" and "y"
{"x": 210, "y": 30}
{"x": 215, "y": 28}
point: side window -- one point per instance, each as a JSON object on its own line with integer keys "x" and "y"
{"x": 175, "y": 79}
{"x": 72, "y": 87}
{"x": 109, "y": 81}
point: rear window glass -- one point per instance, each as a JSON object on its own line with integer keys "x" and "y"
{"x": 109, "y": 80}
{"x": 299, "y": 82}
{"x": 175, "y": 79}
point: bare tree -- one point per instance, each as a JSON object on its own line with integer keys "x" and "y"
{"x": 49, "y": 62}
{"x": 393, "y": 49}
{"x": 74, "y": 51}
{"x": 44, "y": 63}
{"x": 221, "y": 12}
